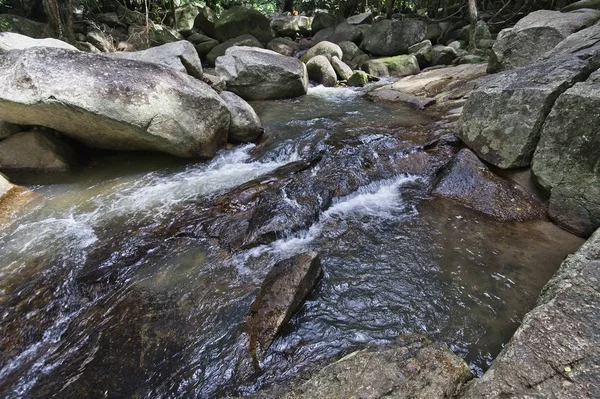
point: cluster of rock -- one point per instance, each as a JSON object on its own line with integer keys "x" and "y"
{"x": 541, "y": 111}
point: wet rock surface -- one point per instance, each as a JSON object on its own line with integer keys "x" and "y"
{"x": 555, "y": 351}
{"x": 280, "y": 296}
{"x": 412, "y": 367}
{"x": 245, "y": 125}
{"x": 115, "y": 104}
{"x": 471, "y": 183}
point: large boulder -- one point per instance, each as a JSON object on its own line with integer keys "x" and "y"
{"x": 342, "y": 70}
{"x": 585, "y": 38}
{"x": 284, "y": 46}
{"x": 388, "y": 38}
{"x": 291, "y": 26}
{"x": 555, "y": 351}
{"x": 567, "y": 158}
{"x": 349, "y": 50}
{"x": 240, "y": 20}
{"x": 112, "y": 103}
{"x": 398, "y": 66}
{"x": 181, "y": 56}
{"x": 411, "y": 367}
{"x": 343, "y": 32}
{"x": 23, "y": 26}
{"x": 220, "y": 49}
{"x": 471, "y": 183}
{"x": 502, "y": 119}
{"x": 423, "y": 52}
{"x": 325, "y": 48}
{"x": 258, "y": 74}
{"x": 281, "y": 294}
{"x": 322, "y": 20}
{"x": 14, "y": 41}
{"x": 321, "y": 71}
{"x": 205, "y": 21}
{"x": 141, "y": 37}
{"x": 443, "y": 55}
{"x": 534, "y": 35}
{"x": 595, "y": 4}
{"x": 36, "y": 151}
{"x": 186, "y": 15}
{"x": 245, "y": 125}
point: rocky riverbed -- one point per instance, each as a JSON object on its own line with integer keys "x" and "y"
{"x": 385, "y": 239}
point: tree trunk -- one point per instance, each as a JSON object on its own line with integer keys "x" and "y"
{"x": 390, "y": 8}
{"x": 473, "y": 24}
{"x": 60, "y": 18}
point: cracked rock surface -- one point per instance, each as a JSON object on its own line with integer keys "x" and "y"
{"x": 555, "y": 353}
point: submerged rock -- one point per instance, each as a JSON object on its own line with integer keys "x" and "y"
{"x": 412, "y": 367}
{"x": 555, "y": 351}
{"x": 534, "y": 35}
{"x": 258, "y": 74}
{"x": 469, "y": 182}
{"x": 14, "y": 41}
{"x": 502, "y": 119}
{"x": 282, "y": 292}
{"x": 36, "y": 151}
{"x": 181, "y": 56}
{"x": 245, "y": 125}
{"x": 112, "y": 103}
{"x": 567, "y": 158}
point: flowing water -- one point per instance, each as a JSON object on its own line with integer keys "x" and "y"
{"x": 100, "y": 296}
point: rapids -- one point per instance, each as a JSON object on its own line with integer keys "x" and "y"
{"x": 129, "y": 278}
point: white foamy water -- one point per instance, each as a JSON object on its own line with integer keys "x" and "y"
{"x": 380, "y": 200}
{"x": 335, "y": 94}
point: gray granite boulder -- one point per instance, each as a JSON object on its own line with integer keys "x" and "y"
{"x": 284, "y": 46}
{"x": 245, "y": 125}
{"x": 325, "y": 48}
{"x": 321, "y": 71}
{"x": 398, "y": 66}
{"x": 502, "y": 119}
{"x": 14, "y": 41}
{"x": 112, "y": 103}
{"x": 220, "y": 49}
{"x": 239, "y": 21}
{"x": 534, "y": 35}
{"x": 389, "y": 38}
{"x": 291, "y": 26}
{"x": 342, "y": 70}
{"x": 566, "y": 162}
{"x": 259, "y": 74}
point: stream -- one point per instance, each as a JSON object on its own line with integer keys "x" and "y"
{"x": 133, "y": 277}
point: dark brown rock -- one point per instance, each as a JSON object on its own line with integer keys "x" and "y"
{"x": 283, "y": 291}
{"x": 469, "y": 182}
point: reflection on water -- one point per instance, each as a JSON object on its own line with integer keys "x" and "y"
{"x": 92, "y": 304}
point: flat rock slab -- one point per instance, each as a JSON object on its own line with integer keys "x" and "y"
{"x": 412, "y": 367}
{"x": 502, "y": 118}
{"x": 394, "y": 96}
{"x": 112, "y": 103}
{"x": 566, "y": 162}
{"x": 469, "y": 182}
{"x": 555, "y": 353}
{"x": 283, "y": 291}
